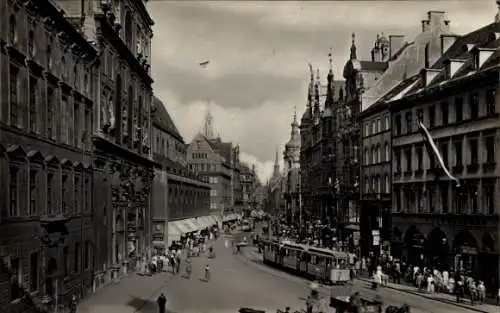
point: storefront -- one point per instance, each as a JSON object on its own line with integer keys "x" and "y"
{"x": 174, "y": 233}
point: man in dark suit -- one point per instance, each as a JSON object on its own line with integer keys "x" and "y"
{"x": 162, "y": 303}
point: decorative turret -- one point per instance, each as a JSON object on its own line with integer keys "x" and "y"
{"x": 353, "y": 47}
{"x": 330, "y": 91}
{"x": 208, "y": 127}
{"x": 294, "y": 141}
{"x": 316, "y": 110}
{"x": 310, "y": 97}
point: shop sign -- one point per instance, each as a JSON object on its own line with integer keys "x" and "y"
{"x": 467, "y": 250}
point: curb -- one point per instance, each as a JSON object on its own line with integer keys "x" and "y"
{"x": 472, "y": 308}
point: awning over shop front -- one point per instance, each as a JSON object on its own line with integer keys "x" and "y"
{"x": 174, "y": 234}
{"x": 191, "y": 224}
{"x": 181, "y": 227}
{"x": 204, "y": 222}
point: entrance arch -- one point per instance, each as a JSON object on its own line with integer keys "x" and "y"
{"x": 488, "y": 242}
{"x": 466, "y": 249}
{"x": 414, "y": 242}
{"x": 437, "y": 248}
{"x": 488, "y": 258}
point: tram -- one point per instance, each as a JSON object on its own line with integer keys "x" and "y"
{"x": 311, "y": 262}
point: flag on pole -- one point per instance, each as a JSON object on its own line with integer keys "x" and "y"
{"x": 204, "y": 63}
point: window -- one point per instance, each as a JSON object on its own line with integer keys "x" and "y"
{"x": 12, "y": 30}
{"x": 34, "y": 272}
{"x": 13, "y": 191}
{"x": 77, "y": 139}
{"x": 16, "y": 278}
{"x": 33, "y": 90}
{"x": 408, "y": 117}
{"x": 374, "y": 127}
{"x": 444, "y": 113}
{"x": 33, "y": 192}
{"x": 419, "y": 151}
{"x": 31, "y": 43}
{"x": 473, "y": 198}
{"x": 397, "y": 156}
{"x": 64, "y": 184}
{"x": 386, "y": 122}
{"x": 14, "y": 96}
{"x": 444, "y": 152}
{"x": 86, "y": 203}
{"x": 387, "y": 184}
{"x": 76, "y": 193}
{"x": 64, "y": 122}
{"x": 431, "y": 199}
{"x": 474, "y": 105}
{"x": 387, "y": 152}
{"x": 66, "y": 261}
{"x": 379, "y": 158}
{"x": 367, "y": 129}
{"x": 50, "y": 112}
{"x": 379, "y": 125}
{"x": 489, "y": 199}
{"x": 86, "y": 254}
{"x": 367, "y": 157}
{"x": 88, "y": 127}
{"x": 213, "y": 193}
{"x": 378, "y": 184}
{"x": 397, "y": 123}
{"x": 374, "y": 156}
{"x": 458, "y": 152}
{"x": 489, "y": 143}
{"x": 420, "y": 115}
{"x": 48, "y": 56}
{"x": 444, "y": 198}
{"x": 432, "y": 116}
{"x": 408, "y": 159}
{"x": 473, "y": 151}
{"x": 77, "y": 259}
{"x": 50, "y": 182}
{"x": 459, "y": 109}
{"x": 491, "y": 101}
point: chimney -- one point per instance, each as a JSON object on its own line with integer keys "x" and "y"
{"x": 436, "y": 18}
{"x": 425, "y": 26}
{"x": 446, "y": 42}
{"x": 395, "y": 44}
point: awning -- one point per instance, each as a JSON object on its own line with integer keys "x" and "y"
{"x": 230, "y": 217}
{"x": 352, "y": 227}
{"x": 158, "y": 244}
{"x": 174, "y": 234}
{"x": 191, "y": 224}
{"x": 204, "y": 222}
{"x": 181, "y": 227}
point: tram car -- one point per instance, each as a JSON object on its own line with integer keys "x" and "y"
{"x": 311, "y": 262}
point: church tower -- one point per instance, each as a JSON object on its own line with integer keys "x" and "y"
{"x": 208, "y": 127}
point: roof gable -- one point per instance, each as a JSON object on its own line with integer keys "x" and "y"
{"x": 163, "y": 120}
{"x": 201, "y": 143}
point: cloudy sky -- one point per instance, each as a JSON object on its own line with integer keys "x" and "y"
{"x": 258, "y": 53}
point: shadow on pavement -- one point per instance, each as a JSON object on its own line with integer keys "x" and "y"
{"x": 142, "y": 305}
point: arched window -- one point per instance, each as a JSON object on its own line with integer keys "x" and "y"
{"x": 378, "y": 184}
{"x": 128, "y": 29}
{"x": 31, "y": 43}
{"x": 48, "y": 55}
{"x": 367, "y": 157}
{"x": 374, "y": 156}
{"x": 387, "y": 152}
{"x": 387, "y": 184}
{"x": 12, "y": 30}
{"x": 379, "y": 158}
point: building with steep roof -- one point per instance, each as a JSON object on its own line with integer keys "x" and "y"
{"x": 401, "y": 75}
{"x": 291, "y": 160}
{"x": 216, "y": 163}
{"x": 181, "y": 199}
{"x": 445, "y": 170}
{"x": 318, "y": 146}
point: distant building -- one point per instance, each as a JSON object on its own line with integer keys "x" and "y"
{"x": 181, "y": 200}
{"x": 291, "y": 159}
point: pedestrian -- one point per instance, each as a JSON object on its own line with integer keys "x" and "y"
{"x": 162, "y": 303}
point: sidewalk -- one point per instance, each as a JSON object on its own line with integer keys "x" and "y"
{"x": 133, "y": 293}
{"x": 441, "y": 297}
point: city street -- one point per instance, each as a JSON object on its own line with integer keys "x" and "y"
{"x": 236, "y": 281}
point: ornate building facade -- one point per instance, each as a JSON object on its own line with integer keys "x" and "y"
{"x": 122, "y": 158}
{"x": 318, "y": 152}
{"x": 48, "y": 80}
{"x": 181, "y": 200}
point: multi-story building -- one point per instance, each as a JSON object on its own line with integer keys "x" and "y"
{"x": 445, "y": 173}
{"x": 318, "y": 151}
{"x": 47, "y": 79}
{"x": 215, "y": 161}
{"x": 406, "y": 60}
{"x": 291, "y": 158}
{"x": 248, "y": 182}
{"x": 181, "y": 201}
{"x": 122, "y": 159}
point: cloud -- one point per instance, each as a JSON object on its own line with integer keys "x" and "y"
{"x": 258, "y": 53}
{"x": 237, "y": 125}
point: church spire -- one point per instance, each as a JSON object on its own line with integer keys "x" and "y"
{"x": 276, "y": 171}
{"x": 353, "y": 47}
{"x": 330, "y": 88}
{"x": 316, "y": 93}
{"x": 208, "y": 127}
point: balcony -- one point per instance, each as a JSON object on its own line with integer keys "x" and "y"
{"x": 489, "y": 167}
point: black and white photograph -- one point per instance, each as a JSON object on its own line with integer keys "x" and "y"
{"x": 244, "y": 156}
